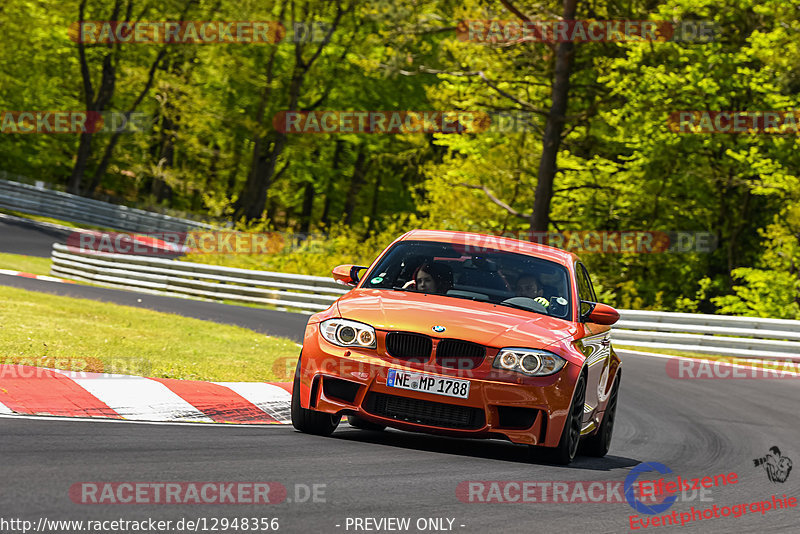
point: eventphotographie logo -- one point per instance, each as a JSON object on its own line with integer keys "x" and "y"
{"x": 777, "y": 467}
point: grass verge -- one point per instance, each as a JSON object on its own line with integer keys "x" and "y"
{"x": 85, "y": 335}
{"x": 27, "y": 264}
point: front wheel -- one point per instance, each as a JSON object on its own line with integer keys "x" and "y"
{"x": 599, "y": 444}
{"x": 567, "y": 447}
{"x": 310, "y": 421}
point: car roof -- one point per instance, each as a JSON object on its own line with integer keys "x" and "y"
{"x": 483, "y": 241}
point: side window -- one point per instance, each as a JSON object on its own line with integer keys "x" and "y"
{"x": 585, "y": 290}
{"x": 589, "y": 283}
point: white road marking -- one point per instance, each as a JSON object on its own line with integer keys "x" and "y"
{"x": 34, "y": 277}
{"x": 5, "y": 409}
{"x": 135, "y": 397}
{"x": 272, "y": 399}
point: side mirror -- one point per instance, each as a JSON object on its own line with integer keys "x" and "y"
{"x": 599, "y": 313}
{"x": 347, "y": 274}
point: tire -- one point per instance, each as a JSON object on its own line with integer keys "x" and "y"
{"x": 567, "y": 447}
{"x": 598, "y": 444}
{"x": 357, "y": 422}
{"x": 310, "y": 421}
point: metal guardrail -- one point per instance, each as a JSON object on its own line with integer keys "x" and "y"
{"x": 745, "y": 337}
{"x": 185, "y": 279}
{"x": 39, "y": 201}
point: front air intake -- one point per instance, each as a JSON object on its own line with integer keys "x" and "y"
{"x": 343, "y": 390}
{"x": 424, "y": 412}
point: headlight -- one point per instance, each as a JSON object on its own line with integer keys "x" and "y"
{"x": 531, "y": 362}
{"x": 347, "y": 333}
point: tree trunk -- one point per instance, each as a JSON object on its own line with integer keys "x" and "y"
{"x": 308, "y": 205}
{"x": 109, "y": 151}
{"x": 252, "y": 202}
{"x": 373, "y": 215}
{"x": 326, "y": 210}
{"x": 93, "y": 103}
{"x": 211, "y": 178}
{"x": 356, "y": 183}
{"x": 554, "y": 127}
{"x": 79, "y": 169}
{"x": 237, "y": 160}
{"x": 252, "y": 199}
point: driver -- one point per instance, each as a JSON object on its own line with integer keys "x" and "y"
{"x": 529, "y": 286}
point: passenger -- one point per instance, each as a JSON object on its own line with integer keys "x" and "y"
{"x": 433, "y": 277}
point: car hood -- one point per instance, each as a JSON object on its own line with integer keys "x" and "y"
{"x": 480, "y": 322}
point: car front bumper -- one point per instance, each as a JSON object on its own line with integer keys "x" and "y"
{"x": 526, "y": 410}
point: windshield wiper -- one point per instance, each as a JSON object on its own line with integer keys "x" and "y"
{"x": 399, "y": 288}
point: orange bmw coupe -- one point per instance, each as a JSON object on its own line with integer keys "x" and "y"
{"x": 465, "y": 335}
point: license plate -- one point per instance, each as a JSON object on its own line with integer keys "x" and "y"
{"x": 437, "y": 385}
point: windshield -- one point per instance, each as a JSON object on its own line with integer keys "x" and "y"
{"x": 505, "y": 278}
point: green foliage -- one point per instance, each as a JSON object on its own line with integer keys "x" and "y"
{"x": 773, "y": 289}
{"x": 315, "y": 253}
{"x": 620, "y": 167}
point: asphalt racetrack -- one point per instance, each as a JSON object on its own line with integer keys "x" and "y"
{"x": 696, "y": 428}
{"x": 21, "y": 237}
